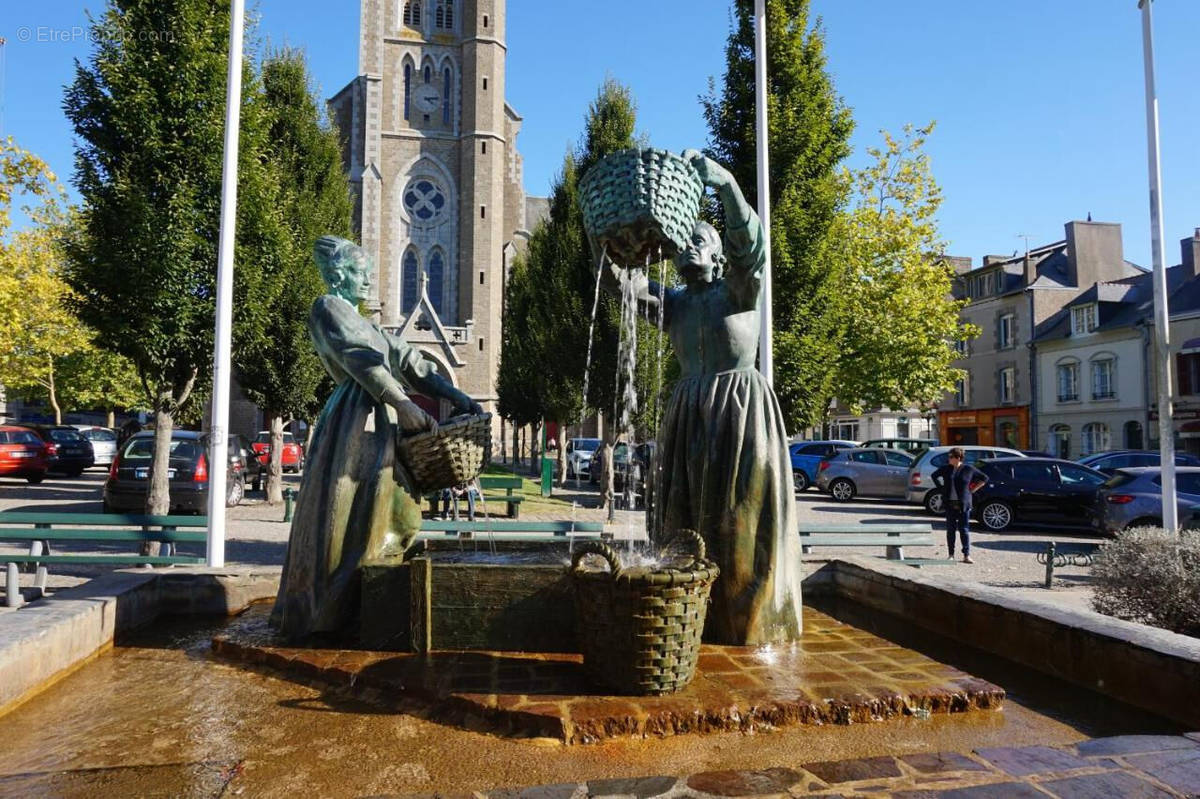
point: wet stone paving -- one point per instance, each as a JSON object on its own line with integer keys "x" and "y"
{"x": 837, "y": 673}
{"x": 1123, "y": 767}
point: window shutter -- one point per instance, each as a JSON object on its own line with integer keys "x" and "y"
{"x": 996, "y": 326}
{"x": 1185, "y": 374}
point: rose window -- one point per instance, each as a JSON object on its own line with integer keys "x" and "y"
{"x": 424, "y": 201}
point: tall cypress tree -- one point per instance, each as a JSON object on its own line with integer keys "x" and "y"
{"x": 809, "y": 135}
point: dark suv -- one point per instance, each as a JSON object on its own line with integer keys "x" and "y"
{"x": 1036, "y": 490}
{"x": 1109, "y": 462}
{"x": 128, "y": 481}
{"x": 67, "y": 450}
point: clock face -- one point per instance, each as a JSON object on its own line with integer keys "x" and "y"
{"x": 427, "y": 99}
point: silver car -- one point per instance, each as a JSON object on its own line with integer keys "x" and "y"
{"x": 1133, "y": 498}
{"x": 920, "y": 475}
{"x": 866, "y": 472}
{"x": 580, "y": 452}
{"x": 104, "y": 442}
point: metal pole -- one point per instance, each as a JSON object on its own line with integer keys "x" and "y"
{"x": 219, "y": 461}
{"x": 766, "y": 359}
{"x": 1162, "y": 333}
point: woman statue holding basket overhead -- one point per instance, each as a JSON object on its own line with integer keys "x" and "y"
{"x": 724, "y": 465}
{"x": 356, "y": 502}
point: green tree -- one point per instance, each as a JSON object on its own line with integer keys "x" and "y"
{"x": 809, "y": 136}
{"x": 308, "y": 197}
{"x": 516, "y": 387}
{"x": 899, "y": 344}
{"x": 148, "y": 113}
{"x": 95, "y": 378}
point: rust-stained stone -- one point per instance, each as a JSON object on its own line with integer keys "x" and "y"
{"x": 867, "y": 768}
{"x": 640, "y": 787}
{"x": 745, "y": 783}
{"x": 940, "y": 762}
{"x": 1026, "y": 760}
{"x": 546, "y": 694}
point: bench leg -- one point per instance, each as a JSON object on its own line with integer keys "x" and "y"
{"x": 895, "y": 553}
{"x": 13, "y": 587}
{"x": 514, "y": 510}
{"x": 805, "y": 549}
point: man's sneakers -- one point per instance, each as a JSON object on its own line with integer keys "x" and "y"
{"x": 967, "y": 559}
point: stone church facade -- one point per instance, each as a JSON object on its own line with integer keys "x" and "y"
{"x": 430, "y": 148}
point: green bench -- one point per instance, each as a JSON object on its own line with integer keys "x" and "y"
{"x": 894, "y": 537}
{"x": 503, "y": 530}
{"x": 512, "y": 495}
{"x": 39, "y": 529}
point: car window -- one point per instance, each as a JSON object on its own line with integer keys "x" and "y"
{"x": 895, "y": 457}
{"x": 976, "y": 455}
{"x": 100, "y": 435}
{"x": 1035, "y": 472}
{"x": 1187, "y": 483}
{"x": 66, "y": 435}
{"x": 1140, "y": 459}
{"x": 1184, "y": 460}
{"x": 19, "y": 437}
{"x": 1120, "y": 479}
{"x": 866, "y": 456}
{"x": 143, "y": 449}
{"x": 813, "y": 449}
{"x": 1078, "y": 475}
{"x": 262, "y": 438}
{"x": 939, "y": 460}
{"x": 833, "y": 447}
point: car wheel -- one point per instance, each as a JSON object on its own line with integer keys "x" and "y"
{"x": 934, "y": 502}
{"x": 842, "y": 490}
{"x": 34, "y": 479}
{"x": 800, "y": 480}
{"x": 237, "y": 490}
{"x": 996, "y": 515}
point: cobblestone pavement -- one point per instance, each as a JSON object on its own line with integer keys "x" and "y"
{"x": 1128, "y": 766}
{"x": 257, "y": 534}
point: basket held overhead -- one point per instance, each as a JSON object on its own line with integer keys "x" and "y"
{"x": 455, "y": 453}
{"x": 640, "y": 204}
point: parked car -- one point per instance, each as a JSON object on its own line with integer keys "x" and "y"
{"x": 256, "y": 470}
{"x": 913, "y": 445}
{"x": 22, "y": 454}
{"x": 104, "y": 443}
{"x": 1133, "y": 498}
{"x": 920, "y": 474}
{"x": 1036, "y": 490}
{"x": 579, "y": 456}
{"x": 67, "y": 451}
{"x": 292, "y": 459}
{"x": 807, "y": 456}
{"x": 1109, "y": 462}
{"x": 864, "y": 471}
{"x": 128, "y": 480}
{"x": 621, "y": 466}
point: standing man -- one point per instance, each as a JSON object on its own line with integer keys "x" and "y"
{"x": 957, "y": 481}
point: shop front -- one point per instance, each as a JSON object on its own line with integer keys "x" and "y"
{"x": 998, "y": 427}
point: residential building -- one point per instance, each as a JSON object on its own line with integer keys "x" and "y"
{"x": 1011, "y": 299}
{"x": 876, "y": 423}
{"x": 1183, "y": 304}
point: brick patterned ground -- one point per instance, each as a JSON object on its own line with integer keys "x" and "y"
{"x": 836, "y": 673}
{"x": 1125, "y": 767}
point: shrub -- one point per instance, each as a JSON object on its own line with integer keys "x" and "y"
{"x": 1150, "y": 576}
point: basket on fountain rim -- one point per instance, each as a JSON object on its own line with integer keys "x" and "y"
{"x": 454, "y": 453}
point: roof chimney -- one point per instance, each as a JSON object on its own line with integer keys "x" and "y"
{"x": 1190, "y": 254}
{"x": 1094, "y": 253}
{"x": 959, "y": 263}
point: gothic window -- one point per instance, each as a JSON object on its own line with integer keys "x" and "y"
{"x": 408, "y": 299}
{"x": 428, "y": 74}
{"x": 444, "y": 16}
{"x": 407, "y": 87}
{"x": 424, "y": 201}
{"x": 446, "y": 96}
{"x": 412, "y": 13}
{"x": 436, "y": 280}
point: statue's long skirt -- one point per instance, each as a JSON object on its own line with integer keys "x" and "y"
{"x": 726, "y": 473}
{"x": 355, "y": 504}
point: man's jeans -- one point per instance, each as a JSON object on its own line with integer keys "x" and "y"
{"x": 957, "y": 521}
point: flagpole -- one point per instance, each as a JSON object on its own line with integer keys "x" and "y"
{"x": 219, "y": 460}
{"x": 766, "y": 360}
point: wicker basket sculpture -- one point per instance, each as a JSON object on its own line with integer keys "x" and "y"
{"x": 640, "y": 205}
{"x": 455, "y": 453}
{"x": 640, "y": 628}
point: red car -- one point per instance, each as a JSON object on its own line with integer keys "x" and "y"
{"x": 293, "y": 456}
{"x": 22, "y": 454}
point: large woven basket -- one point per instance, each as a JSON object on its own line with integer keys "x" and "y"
{"x": 640, "y": 205}
{"x": 640, "y": 628}
{"x": 455, "y": 453}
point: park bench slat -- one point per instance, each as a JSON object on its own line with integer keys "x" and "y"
{"x": 106, "y": 519}
{"x": 497, "y": 481}
{"x": 50, "y": 534}
{"x": 510, "y": 526}
{"x": 928, "y": 561}
{"x": 865, "y": 528}
{"x": 155, "y": 560}
{"x": 831, "y": 540}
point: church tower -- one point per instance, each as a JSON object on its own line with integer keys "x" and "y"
{"x": 434, "y": 168}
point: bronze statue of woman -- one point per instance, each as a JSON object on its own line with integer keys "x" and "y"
{"x": 356, "y": 501}
{"x": 725, "y": 470}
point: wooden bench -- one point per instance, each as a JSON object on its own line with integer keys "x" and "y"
{"x": 894, "y": 537}
{"x": 503, "y": 530}
{"x": 42, "y": 528}
{"x": 512, "y": 495}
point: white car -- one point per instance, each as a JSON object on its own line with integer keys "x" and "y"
{"x": 579, "y": 456}
{"x": 104, "y": 443}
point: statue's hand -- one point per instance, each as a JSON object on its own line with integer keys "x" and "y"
{"x": 710, "y": 172}
{"x": 465, "y": 404}
{"x": 413, "y": 419}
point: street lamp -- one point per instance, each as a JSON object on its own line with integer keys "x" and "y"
{"x": 765, "y": 357}
{"x": 1162, "y": 334}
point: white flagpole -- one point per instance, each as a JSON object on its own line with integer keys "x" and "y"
{"x": 766, "y": 360}
{"x": 1162, "y": 333}
{"x": 219, "y": 455}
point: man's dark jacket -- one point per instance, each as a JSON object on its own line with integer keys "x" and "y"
{"x": 963, "y": 478}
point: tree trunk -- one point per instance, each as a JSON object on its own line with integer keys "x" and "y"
{"x": 158, "y": 499}
{"x": 516, "y": 444}
{"x": 54, "y": 395}
{"x": 562, "y": 455}
{"x": 310, "y": 427}
{"x": 275, "y": 463}
{"x": 535, "y": 448}
{"x": 110, "y": 419}
{"x": 503, "y": 443}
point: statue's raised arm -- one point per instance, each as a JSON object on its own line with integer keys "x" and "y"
{"x": 745, "y": 254}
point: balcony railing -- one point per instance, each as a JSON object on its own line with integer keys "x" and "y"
{"x": 1072, "y": 397}
{"x": 1103, "y": 395}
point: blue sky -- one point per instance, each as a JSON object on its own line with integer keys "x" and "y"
{"x": 1039, "y": 104}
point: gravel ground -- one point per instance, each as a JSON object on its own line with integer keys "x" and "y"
{"x": 257, "y": 535}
